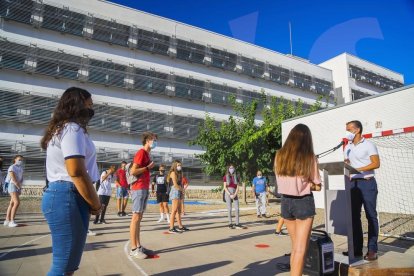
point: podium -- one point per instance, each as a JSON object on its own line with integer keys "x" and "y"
{"x": 337, "y": 195}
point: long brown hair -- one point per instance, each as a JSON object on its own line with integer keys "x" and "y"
{"x": 296, "y": 157}
{"x": 173, "y": 168}
{"x": 70, "y": 108}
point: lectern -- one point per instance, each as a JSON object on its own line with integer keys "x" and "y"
{"x": 337, "y": 195}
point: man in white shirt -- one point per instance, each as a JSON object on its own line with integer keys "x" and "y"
{"x": 362, "y": 155}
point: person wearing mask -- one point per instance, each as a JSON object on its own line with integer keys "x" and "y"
{"x": 71, "y": 170}
{"x": 174, "y": 179}
{"x": 159, "y": 183}
{"x": 105, "y": 192}
{"x": 231, "y": 188}
{"x": 122, "y": 190}
{"x": 297, "y": 175}
{"x": 259, "y": 190}
{"x": 363, "y": 155}
{"x": 141, "y": 168}
{"x": 14, "y": 179}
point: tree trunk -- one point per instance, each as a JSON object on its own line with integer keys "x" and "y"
{"x": 244, "y": 193}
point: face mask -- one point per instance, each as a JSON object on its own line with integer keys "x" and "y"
{"x": 19, "y": 162}
{"x": 154, "y": 144}
{"x": 349, "y": 136}
{"x": 231, "y": 170}
{"x": 162, "y": 172}
{"x": 259, "y": 176}
{"x": 178, "y": 168}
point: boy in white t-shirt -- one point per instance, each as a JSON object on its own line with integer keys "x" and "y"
{"x": 105, "y": 191}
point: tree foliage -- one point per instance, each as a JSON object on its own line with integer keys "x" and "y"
{"x": 249, "y": 138}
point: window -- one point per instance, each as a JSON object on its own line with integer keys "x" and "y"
{"x": 153, "y": 42}
{"x": 252, "y": 67}
{"x": 12, "y": 55}
{"x": 222, "y": 59}
{"x": 278, "y": 74}
{"x": 190, "y": 51}
{"x": 20, "y": 10}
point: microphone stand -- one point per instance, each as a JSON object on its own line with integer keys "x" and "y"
{"x": 329, "y": 151}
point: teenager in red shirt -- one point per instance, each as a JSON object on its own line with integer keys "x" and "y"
{"x": 141, "y": 167}
{"x": 122, "y": 192}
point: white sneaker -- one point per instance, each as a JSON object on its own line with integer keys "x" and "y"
{"x": 161, "y": 219}
{"x": 6, "y": 222}
{"x": 90, "y": 233}
{"x": 12, "y": 224}
{"x": 138, "y": 254}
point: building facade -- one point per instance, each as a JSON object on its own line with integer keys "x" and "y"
{"x": 145, "y": 73}
{"x": 356, "y": 78}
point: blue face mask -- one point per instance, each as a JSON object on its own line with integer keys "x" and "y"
{"x": 154, "y": 144}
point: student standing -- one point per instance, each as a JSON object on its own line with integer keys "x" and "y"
{"x": 297, "y": 175}
{"x": 105, "y": 192}
{"x": 159, "y": 183}
{"x": 122, "y": 190}
{"x": 231, "y": 188}
{"x": 71, "y": 170}
{"x": 14, "y": 179}
{"x": 259, "y": 190}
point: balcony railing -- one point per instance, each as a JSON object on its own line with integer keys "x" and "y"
{"x": 108, "y": 30}
{"x": 29, "y": 108}
{"x": 372, "y": 78}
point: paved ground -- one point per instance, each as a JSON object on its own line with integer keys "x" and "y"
{"x": 210, "y": 248}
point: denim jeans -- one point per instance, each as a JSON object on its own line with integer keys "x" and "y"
{"x": 67, "y": 215}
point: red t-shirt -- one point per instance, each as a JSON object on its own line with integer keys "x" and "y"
{"x": 121, "y": 176}
{"x": 231, "y": 184}
{"x": 142, "y": 159}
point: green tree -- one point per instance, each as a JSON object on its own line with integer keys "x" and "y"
{"x": 249, "y": 138}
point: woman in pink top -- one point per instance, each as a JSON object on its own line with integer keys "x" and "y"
{"x": 297, "y": 175}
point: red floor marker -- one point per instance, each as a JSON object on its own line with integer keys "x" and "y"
{"x": 261, "y": 245}
{"x": 153, "y": 256}
{"x": 166, "y": 233}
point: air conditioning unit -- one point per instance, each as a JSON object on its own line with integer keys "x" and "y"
{"x": 266, "y": 75}
{"x": 132, "y": 42}
{"x": 238, "y": 100}
{"x": 83, "y": 74}
{"x": 207, "y": 60}
{"x": 207, "y": 97}
{"x": 36, "y": 20}
{"x": 313, "y": 88}
{"x": 172, "y": 52}
{"x": 129, "y": 82}
{"x": 170, "y": 90}
{"x": 30, "y": 64}
{"x": 238, "y": 68}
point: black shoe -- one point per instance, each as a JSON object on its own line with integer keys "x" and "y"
{"x": 173, "y": 231}
{"x": 183, "y": 229}
{"x": 119, "y": 214}
{"x": 281, "y": 233}
{"x": 103, "y": 221}
{"x": 265, "y": 216}
{"x": 259, "y": 216}
{"x": 231, "y": 226}
{"x": 238, "y": 226}
{"x": 123, "y": 214}
{"x": 356, "y": 255}
{"x": 95, "y": 222}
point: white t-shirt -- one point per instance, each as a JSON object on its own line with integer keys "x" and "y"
{"x": 106, "y": 186}
{"x": 18, "y": 173}
{"x": 71, "y": 142}
{"x": 359, "y": 156}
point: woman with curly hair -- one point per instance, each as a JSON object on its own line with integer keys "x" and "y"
{"x": 71, "y": 170}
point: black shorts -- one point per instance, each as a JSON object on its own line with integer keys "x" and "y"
{"x": 162, "y": 197}
{"x": 297, "y": 207}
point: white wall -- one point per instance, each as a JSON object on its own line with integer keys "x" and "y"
{"x": 394, "y": 109}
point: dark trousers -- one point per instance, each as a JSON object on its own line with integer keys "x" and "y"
{"x": 104, "y": 201}
{"x": 364, "y": 192}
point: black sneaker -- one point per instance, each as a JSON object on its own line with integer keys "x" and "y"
{"x": 259, "y": 216}
{"x": 183, "y": 229}
{"x": 123, "y": 214}
{"x": 231, "y": 226}
{"x": 103, "y": 221}
{"x": 95, "y": 222}
{"x": 281, "y": 233}
{"x": 119, "y": 214}
{"x": 356, "y": 255}
{"x": 238, "y": 226}
{"x": 173, "y": 231}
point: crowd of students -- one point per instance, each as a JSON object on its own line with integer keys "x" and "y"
{"x": 71, "y": 169}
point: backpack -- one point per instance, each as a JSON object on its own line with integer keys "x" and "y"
{"x": 131, "y": 179}
{"x": 98, "y": 182}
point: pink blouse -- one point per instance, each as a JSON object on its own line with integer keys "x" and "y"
{"x": 296, "y": 185}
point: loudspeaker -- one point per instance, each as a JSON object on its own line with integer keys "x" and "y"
{"x": 320, "y": 255}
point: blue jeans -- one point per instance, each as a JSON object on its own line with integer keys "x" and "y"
{"x": 67, "y": 214}
{"x": 364, "y": 192}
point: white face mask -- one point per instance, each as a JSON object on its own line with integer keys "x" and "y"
{"x": 19, "y": 162}
{"x": 178, "y": 168}
{"x": 231, "y": 170}
{"x": 349, "y": 136}
{"x": 259, "y": 176}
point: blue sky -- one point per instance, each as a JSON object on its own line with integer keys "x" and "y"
{"x": 380, "y": 31}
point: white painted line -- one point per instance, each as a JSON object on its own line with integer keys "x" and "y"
{"x": 38, "y": 238}
{"x": 126, "y": 250}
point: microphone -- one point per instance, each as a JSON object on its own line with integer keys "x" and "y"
{"x": 340, "y": 145}
{"x": 330, "y": 150}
